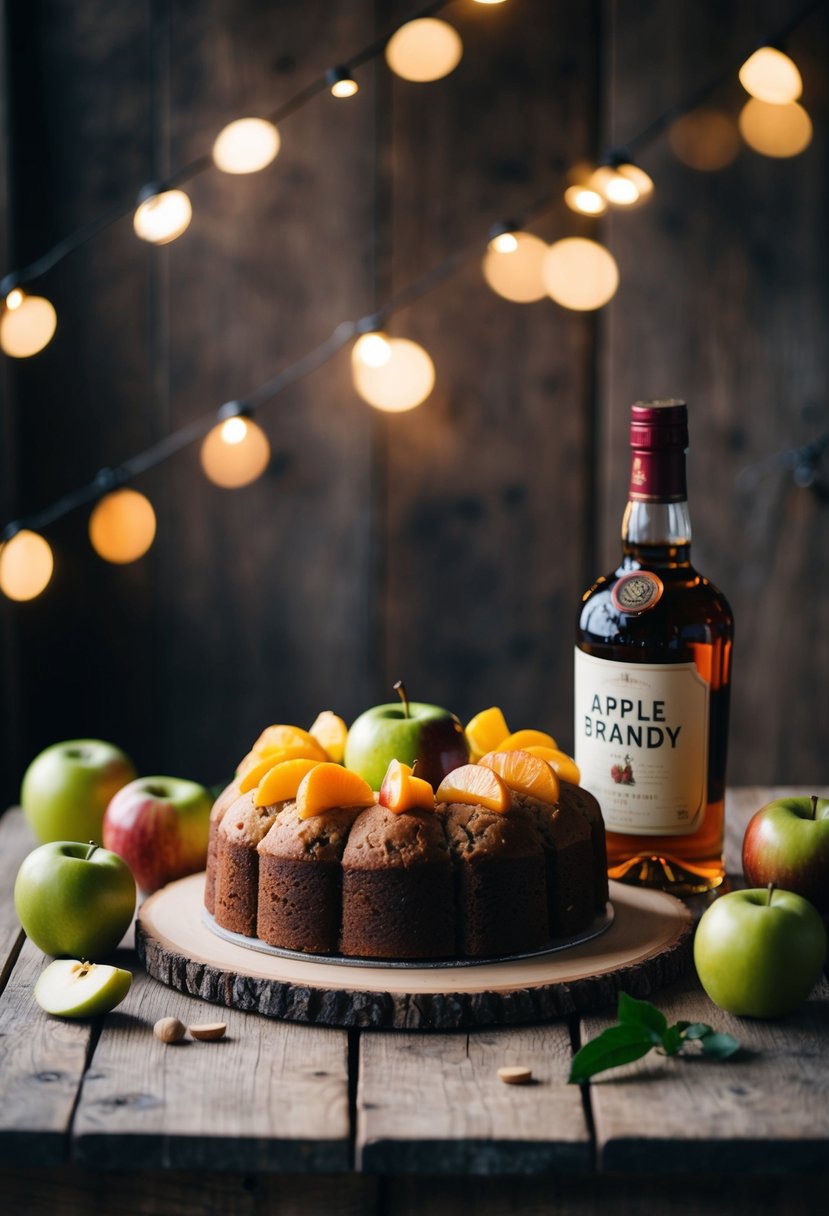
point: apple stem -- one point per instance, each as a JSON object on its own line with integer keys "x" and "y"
{"x": 814, "y": 806}
{"x": 400, "y": 689}
{"x": 772, "y": 889}
{"x": 92, "y": 847}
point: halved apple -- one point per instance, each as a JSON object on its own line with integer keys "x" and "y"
{"x": 402, "y": 791}
{"x": 330, "y": 785}
{"x": 282, "y": 781}
{"x": 522, "y": 739}
{"x": 485, "y": 732}
{"x": 68, "y": 988}
{"x": 524, "y": 773}
{"x": 563, "y": 765}
{"x": 475, "y": 785}
{"x": 330, "y": 732}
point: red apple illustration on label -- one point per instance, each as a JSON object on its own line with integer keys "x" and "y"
{"x": 622, "y": 774}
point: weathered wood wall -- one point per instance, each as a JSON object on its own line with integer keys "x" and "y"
{"x": 448, "y": 545}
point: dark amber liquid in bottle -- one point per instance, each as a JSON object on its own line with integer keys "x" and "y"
{"x": 692, "y": 622}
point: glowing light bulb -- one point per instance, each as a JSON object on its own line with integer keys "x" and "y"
{"x": 246, "y": 145}
{"x": 580, "y": 274}
{"x": 162, "y": 217}
{"x": 374, "y": 350}
{"x": 775, "y": 130}
{"x": 232, "y": 456}
{"x": 122, "y": 526}
{"x": 26, "y": 566}
{"x": 424, "y": 49}
{"x": 27, "y": 325}
{"x": 517, "y": 274}
{"x": 706, "y": 139}
{"x": 341, "y": 82}
{"x": 404, "y": 381}
{"x": 504, "y": 242}
{"x": 771, "y": 76}
{"x": 585, "y": 200}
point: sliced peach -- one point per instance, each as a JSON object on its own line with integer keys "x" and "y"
{"x": 257, "y": 771}
{"x": 282, "y": 781}
{"x": 475, "y": 785}
{"x": 330, "y": 732}
{"x": 486, "y": 731}
{"x": 330, "y": 785}
{"x": 563, "y": 765}
{"x": 524, "y": 773}
{"x": 522, "y": 739}
{"x": 275, "y": 738}
{"x": 402, "y": 791}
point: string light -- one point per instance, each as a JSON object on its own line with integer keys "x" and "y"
{"x": 585, "y": 200}
{"x": 402, "y": 382}
{"x": 424, "y": 50}
{"x": 341, "y": 82}
{"x": 162, "y": 216}
{"x": 706, "y": 139}
{"x": 775, "y": 130}
{"x": 26, "y": 566}
{"x": 236, "y": 451}
{"x": 513, "y": 267}
{"x": 771, "y": 76}
{"x": 27, "y": 325}
{"x": 580, "y": 274}
{"x": 373, "y": 349}
{"x": 122, "y": 526}
{"x": 246, "y": 145}
{"x": 622, "y": 185}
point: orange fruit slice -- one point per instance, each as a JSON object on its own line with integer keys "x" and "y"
{"x": 524, "y": 773}
{"x": 329, "y": 785}
{"x": 563, "y": 765}
{"x": 282, "y": 781}
{"x": 485, "y": 732}
{"x": 402, "y": 791}
{"x": 275, "y": 738}
{"x": 330, "y": 732}
{"x": 257, "y": 771}
{"x": 475, "y": 785}
{"x": 522, "y": 739}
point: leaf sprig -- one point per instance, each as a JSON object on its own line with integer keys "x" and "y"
{"x": 641, "y": 1028}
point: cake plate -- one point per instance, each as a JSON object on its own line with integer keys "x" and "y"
{"x": 647, "y": 945}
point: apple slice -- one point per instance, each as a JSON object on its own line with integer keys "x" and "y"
{"x": 330, "y": 732}
{"x": 486, "y": 731}
{"x": 71, "y": 989}
{"x": 524, "y": 773}
{"x": 256, "y": 772}
{"x": 522, "y": 739}
{"x": 275, "y": 738}
{"x": 282, "y": 781}
{"x": 330, "y": 785}
{"x": 402, "y": 791}
{"x": 563, "y": 766}
{"x": 475, "y": 785}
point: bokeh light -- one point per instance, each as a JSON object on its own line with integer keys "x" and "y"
{"x": 246, "y": 145}
{"x": 404, "y": 381}
{"x": 162, "y": 217}
{"x": 705, "y": 139}
{"x": 771, "y": 76}
{"x": 516, "y": 273}
{"x": 580, "y": 274}
{"x": 28, "y": 323}
{"x": 26, "y": 565}
{"x": 122, "y": 526}
{"x": 775, "y": 130}
{"x": 235, "y": 452}
{"x": 423, "y": 50}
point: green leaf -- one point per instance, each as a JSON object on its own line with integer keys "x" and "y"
{"x": 641, "y": 1013}
{"x": 719, "y": 1046}
{"x": 695, "y": 1030}
{"x": 672, "y": 1040}
{"x": 614, "y": 1046}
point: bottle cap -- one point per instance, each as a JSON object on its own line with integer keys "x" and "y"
{"x": 659, "y": 424}
{"x": 659, "y": 437}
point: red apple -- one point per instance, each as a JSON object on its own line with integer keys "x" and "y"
{"x": 159, "y": 825}
{"x": 787, "y": 842}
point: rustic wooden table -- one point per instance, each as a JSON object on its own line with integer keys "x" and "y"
{"x": 100, "y": 1116}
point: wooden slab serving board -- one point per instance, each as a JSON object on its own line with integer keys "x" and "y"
{"x": 647, "y": 946}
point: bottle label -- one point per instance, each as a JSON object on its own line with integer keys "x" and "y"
{"x": 642, "y": 743}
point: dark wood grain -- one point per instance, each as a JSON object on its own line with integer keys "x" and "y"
{"x": 15, "y": 842}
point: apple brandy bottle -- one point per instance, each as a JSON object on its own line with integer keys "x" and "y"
{"x": 653, "y": 657}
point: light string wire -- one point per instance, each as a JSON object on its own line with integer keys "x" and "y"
{"x": 108, "y": 479}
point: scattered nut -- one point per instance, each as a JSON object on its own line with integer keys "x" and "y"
{"x": 169, "y": 1030}
{"x": 515, "y": 1075}
{"x": 209, "y": 1030}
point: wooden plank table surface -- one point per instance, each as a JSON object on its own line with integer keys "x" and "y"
{"x": 279, "y": 1117}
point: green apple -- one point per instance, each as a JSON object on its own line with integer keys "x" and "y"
{"x": 72, "y": 989}
{"x": 73, "y": 899}
{"x": 160, "y": 826}
{"x": 760, "y": 952}
{"x": 411, "y": 732}
{"x": 67, "y": 787}
{"x": 787, "y": 842}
